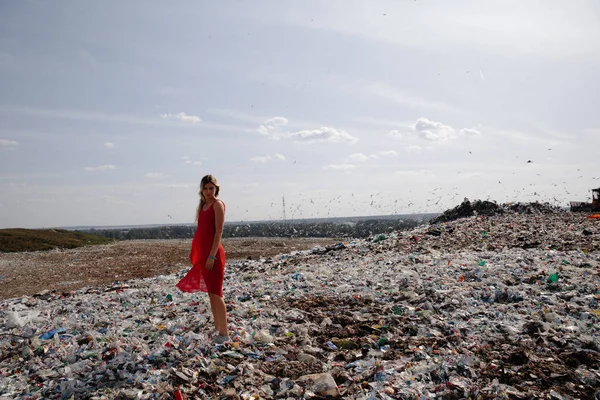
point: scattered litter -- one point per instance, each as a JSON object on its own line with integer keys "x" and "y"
{"x": 501, "y": 303}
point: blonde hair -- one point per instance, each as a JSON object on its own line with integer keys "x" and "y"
{"x": 206, "y": 179}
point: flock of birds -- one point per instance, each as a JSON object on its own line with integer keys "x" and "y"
{"x": 438, "y": 199}
{"x": 435, "y": 200}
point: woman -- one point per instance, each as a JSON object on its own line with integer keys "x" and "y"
{"x": 208, "y": 256}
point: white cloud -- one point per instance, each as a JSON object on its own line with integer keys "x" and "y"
{"x": 261, "y": 159}
{"x": 340, "y": 167}
{"x": 272, "y": 126}
{"x": 109, "y": 145}
{"x": 388, "y": 153}
{"x": 156, "y": 175}
{"x": 433, "y": 131}
{"x": 186, "y": 160}
{"x": 276, "y": 122}
{"x": 182, "y": 117}
{"x": 267, "y": 158}
{"x": 360, "y": 157}
{"x": 472, "y": 132}
{"x": 7, "y": 143}
{"x": 100, "y": 168}
{"x": 323, "y": 134}
{"x": 413, "y": 149}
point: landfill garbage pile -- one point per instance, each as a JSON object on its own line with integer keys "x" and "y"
{"x": 467, "y": 312}
{"x": 551, "y": 231}
{"x": 488, "y": 208}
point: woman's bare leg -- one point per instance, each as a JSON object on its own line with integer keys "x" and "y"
{"x": 212, "y": 308}
{"x": 219, "y": 310}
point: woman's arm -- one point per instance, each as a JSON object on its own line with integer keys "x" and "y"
{"x": 219, "y": 223}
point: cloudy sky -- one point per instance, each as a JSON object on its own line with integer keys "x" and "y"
{"x": 111, "y": 112}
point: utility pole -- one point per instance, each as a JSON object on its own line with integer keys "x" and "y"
{"x": 283, "y": 201}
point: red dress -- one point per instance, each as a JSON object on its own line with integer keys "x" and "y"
{"x": 200, "y": 279}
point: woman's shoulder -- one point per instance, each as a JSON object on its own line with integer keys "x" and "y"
{"x": 219, "y": 203}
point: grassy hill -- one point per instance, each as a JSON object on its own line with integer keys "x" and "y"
{"x": 17, "y": 239}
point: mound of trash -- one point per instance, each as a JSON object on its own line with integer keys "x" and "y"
{"x": 459, "y": 310}
{"x": 488, "y": 208}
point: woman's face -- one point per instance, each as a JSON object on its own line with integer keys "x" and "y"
{"x": 209, "y": 190}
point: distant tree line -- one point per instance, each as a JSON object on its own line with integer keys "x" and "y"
{"x": 155, "y": 232}
{"x": 359, "y": 229}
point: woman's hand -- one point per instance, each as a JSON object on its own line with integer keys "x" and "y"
{"x": 210, "y": 263}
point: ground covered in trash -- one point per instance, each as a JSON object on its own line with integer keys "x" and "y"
{"x": 499, "y": 306}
